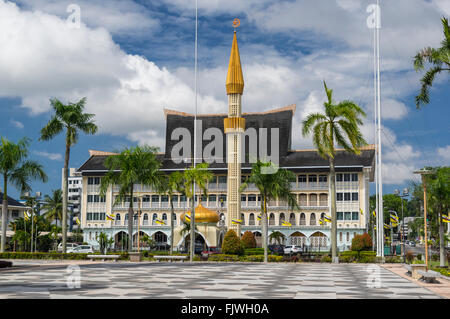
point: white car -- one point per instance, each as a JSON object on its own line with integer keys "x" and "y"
{"x": 83, "y": 249}
{"x": 69, "y": 247}
{"x": 292, "y": 250}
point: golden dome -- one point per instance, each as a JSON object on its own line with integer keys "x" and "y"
{"x": 203, "y": 215}
{"x": 235, "y": 79}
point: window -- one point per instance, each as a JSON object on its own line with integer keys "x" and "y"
{"x": 222, "y": 179}
{"x": 252, "y": 198}
{"x": 338, "y": 177}
{"x": 212, "y": 198}
{"x": 165, "y": 199}
{"x": 182, "y": 198}
{"x": 355, "y": 216}
{"x": 96, "y": 216}
{"x": 348, "y": 236}
{"x": 302, "y": 219}
{"x": 347, "y": 197}
{"x": 93, "y": 180}
{"x": 312, "y": 178}
{"x": 251, "y": 219}
{"x": 346, "y": 177}
{"x": 96, "y": 199}
{"x": 348, "y": 216}
{"x": 354, "y": 177}
{"x": 243, "y": 198}
{"x": 312, "y": 220}
{"x": 155, "y": 198}
{"x": 340, "y": 216}
{"x": 354, "y": 197}
{"x": 339, "y": 197}
{"x": 323, "y": 178}
{"x": 340, "y": 236}
{"x": 302, "y": 178}
{"x": 15, "y": 214}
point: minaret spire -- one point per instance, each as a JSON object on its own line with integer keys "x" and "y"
{"x": 234, "y": 127}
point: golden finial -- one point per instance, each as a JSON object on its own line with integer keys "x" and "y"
{"x": 236, "y": 23}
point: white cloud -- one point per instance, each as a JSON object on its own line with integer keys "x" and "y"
{"x": 444, "y": 152}
{"x": 50, "y": 156}
{"x": 117, "y": 16}
{"x": 17, "y": 124}
{"x": 126, "y": 92}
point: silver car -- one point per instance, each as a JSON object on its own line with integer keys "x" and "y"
{"x": 83, "y": 249}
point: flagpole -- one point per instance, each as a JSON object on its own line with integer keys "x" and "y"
{"x": 192, "y": 243}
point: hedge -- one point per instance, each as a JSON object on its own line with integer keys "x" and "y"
{"x": 250, "y": 258}
{"x": 52, "y": 256}
{"x": 254, "y": 251}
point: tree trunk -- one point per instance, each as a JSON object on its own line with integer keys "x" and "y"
{"x": 192, "y": 240}
{"x": 4, "y": 214}
{"x": 65, "y": 195}
{"x": 442, "y": 254}
{"x": 264, "y": 227}
{"x": 130, "y": 222}
{"x": 333, "y": 238}
{"x": 171, "y": 225}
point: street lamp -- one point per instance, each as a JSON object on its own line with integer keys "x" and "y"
{"x": 405, "y": 193}
{"x": 35, "y": 204}
{"x": 392, "y": 228}
{"x": 423, "y": 173}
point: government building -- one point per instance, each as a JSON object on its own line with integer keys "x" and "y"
{"x": 231, "y": 142}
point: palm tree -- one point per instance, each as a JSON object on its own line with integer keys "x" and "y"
{"x": 18, "y": 170}
{"x": 440, "y": 204}
{"x": 70, "y": 118}
{"x": 271, "y": 187}
{"x": 135, "y": 165}
{"x": 338, "y": 125}
{"x": 169, "y": 186}
{"x": 200, "y": 176}
{"x": 440, "y": 61}
{"x": 53, "y": 206}
{"x": 277, "y": 237}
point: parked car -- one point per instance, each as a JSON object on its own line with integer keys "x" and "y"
{"x": 276, "y": 249}
{"x": 211, "y": 251}
{"x": 292, "y": 250}
{"x": 83, "y": 249}
{"x": 69, "y": 246}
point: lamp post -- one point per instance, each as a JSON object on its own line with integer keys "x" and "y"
{"x": 34, "y": 200}
{"x": 423, "y": 173}
{"x": 392, "y": 228}
{"x": 405, "y": 193}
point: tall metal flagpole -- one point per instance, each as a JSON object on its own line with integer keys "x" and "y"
{"x": 192, "y": 243}
{"x": 375, "y": 238}
{"x": 380, "y": 175}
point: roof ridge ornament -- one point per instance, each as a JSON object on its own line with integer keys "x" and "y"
{"x": 236, "y": 23}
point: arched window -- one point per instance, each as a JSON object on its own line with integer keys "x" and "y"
{"x": 117, "y": 216}
{"x": 243, "y": 218}
{"x": 282, "y": 218}
{"x": 292, "y": 219}
{"x": 155, "y": 216}
{"x": 251, "y": 219}
{"x": 164, "y": 217}
{"x": 312, "y": 220}
{"x": 323, "y": 198}
{"x": 340, "y": 236}
{"x": 174, "y": 219}
{"x": 145, "y": 219}
{"x": 303, "y": 199}
{"x": 272, "y": 219}
{"x": 90, "y": 235}
{"x": 302, "y": 219}
{"x": 348, "y": 236}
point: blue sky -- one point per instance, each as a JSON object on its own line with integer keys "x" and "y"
{"x": 131, "y": 59}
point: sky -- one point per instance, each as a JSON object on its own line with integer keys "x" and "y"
{"x": 132, "y": 59}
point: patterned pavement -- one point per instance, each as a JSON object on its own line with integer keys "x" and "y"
{"x": 208, "y": 280}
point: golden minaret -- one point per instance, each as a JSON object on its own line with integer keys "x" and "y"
{"x": 234, "y": 127}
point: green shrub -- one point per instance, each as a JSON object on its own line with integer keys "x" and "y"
{"x": 393, "y": 260}
{"x": 291, "y": 259}
{"x": 419, "y": 257}
{"x": 223, "y": 257}
{"x": 254, "y": 258}
{"x": 274, "y": 258}
{"x": 435, "y": 257}
{"x": 248, "y": 240}
{"x": 232, "y": 244}
{"x": 254, "y": 251}
{"x": 325, "y": 259}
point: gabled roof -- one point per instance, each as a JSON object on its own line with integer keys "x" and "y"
{"x": 12, "y": 201}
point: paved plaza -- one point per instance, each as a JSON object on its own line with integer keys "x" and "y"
{"x": 206, "y": 280}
